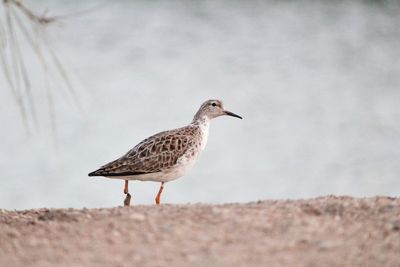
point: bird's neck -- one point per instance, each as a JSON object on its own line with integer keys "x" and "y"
{"x": 203, "y": 122}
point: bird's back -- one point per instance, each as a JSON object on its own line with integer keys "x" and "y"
{"x": 155, "y": 154}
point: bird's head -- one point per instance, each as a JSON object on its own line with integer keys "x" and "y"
{"x": 213, "y": 108}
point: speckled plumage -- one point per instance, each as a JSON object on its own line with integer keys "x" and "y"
{"x": 156, "y": 155}
{"x": 167, "y": 155}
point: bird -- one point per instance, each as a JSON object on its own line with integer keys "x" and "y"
{"x": 167, "y": 155}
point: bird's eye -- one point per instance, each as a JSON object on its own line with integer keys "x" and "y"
{"x": 213, "y": 104}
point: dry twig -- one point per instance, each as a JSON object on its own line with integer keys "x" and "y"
{"x": 20, "y": 21}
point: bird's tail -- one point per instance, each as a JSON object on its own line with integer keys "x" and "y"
{"x": 95, "y": 173}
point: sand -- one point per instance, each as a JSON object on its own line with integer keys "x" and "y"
{"x": 326, "y": 231}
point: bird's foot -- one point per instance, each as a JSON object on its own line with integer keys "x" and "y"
{"x": 127, "y": 200}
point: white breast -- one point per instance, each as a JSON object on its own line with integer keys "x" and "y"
{"x": 204, "y": 127}
{"x": 186, "y": 162}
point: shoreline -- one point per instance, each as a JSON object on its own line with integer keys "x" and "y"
{"x": 322, "y": 231}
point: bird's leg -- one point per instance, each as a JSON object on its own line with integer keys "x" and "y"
{"x": 127, "y": 200}
{"x": 159, "y": 193}
{"x": 126, "y": 191}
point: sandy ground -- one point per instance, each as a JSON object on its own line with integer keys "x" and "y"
{"x": 326, "y": 231}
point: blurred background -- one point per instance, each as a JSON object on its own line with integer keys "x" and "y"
{"x": 317, "y": 82}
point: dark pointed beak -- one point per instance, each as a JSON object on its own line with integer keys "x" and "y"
{"x": 232, "y": 114}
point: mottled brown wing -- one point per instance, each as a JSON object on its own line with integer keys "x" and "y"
{"x": 158, "y": 152}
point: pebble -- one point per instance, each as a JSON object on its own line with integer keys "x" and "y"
{"x": 137, "y": 217}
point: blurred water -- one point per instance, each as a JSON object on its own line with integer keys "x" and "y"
{"x": 317, "y": 83}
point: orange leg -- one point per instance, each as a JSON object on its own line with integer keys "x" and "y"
{"x": 159, "y": 193}
{"x": 127, "y": 200}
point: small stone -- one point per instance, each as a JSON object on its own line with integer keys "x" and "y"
{"x": 13, "y": 233}
{"x": 396, "y": 226}
{"x": 137, "y": 217}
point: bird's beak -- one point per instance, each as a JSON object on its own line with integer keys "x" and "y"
{"x": 232, "y": 114}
